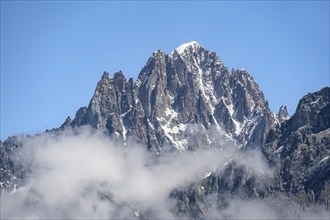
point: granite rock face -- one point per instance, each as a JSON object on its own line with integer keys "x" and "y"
{"x": 190, "y": 86}
{"x": 300, "y": 150}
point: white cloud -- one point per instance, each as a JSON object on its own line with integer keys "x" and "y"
{"x": 84, "y": 174}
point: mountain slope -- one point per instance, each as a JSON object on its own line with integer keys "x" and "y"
{"x": 298, "y": 153}
{"x": 300, "y": 150}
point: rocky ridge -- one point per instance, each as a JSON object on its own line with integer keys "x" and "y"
{"x": 300, "y": 150}
{"x": 190, "y": 86}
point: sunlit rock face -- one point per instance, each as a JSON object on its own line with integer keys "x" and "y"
{"x": 190, "y": 86}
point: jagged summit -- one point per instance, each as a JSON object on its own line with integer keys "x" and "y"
{"x": 67, "y": 122}
{"x": 183, "y": 47}
{"x": 282, "y": 114}
{"x": 176, "y": 94}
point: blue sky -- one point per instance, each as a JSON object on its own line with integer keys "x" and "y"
{"x": 54, "y": 52}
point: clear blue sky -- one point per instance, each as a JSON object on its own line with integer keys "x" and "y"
{"x": 54, "y": 52}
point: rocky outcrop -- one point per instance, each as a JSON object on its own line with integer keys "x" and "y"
{"x": 66, "y": 123}
{"x": 12, "y": 173}
{"x": 300, "y": 150}
{"x": 299, "y": 154}
{"x": 282, "y": 114}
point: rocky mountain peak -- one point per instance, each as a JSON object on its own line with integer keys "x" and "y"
{"x": 119, "y": 74}
{"x": 158, "y": 53}
{"x": 67, "y": 122}
{"x": 120, "y": 80}
{"x": 189, "y": 87}
{"x": 312, "y": 111}
{"x": 105, "y": 76}
{"x": 282, "y": 114}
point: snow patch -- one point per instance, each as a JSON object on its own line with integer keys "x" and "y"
{"x": 136, "y": 213}
{"x": 324, "y": 159}
{"x": 124, "y": 114}
{"x": 180, "y": 49}
{"x": 171, "y": 113}
{"x": 170, "y": 129}
{"x": 152, "y": 127}
{"x": 229, "y": 161}
{"x": 318, "y": 99}
{"x": 138, "y": 83}
{"x": 238, "y": 127}
{"x": 302, "y": 127}
{"x": 124, "y": 129}
{"x": 279, "y": 150}
{"x": 277, "y": 122}
{"x": 207, "y": 174}
{"x": 230, "y": 109}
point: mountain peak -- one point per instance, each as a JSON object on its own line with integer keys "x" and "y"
{"x": 190, "y": 86}
{"x": 67, "y": 122}
{"x": 283, "y": 114}
{"x": 180, "y": 49}
{"x": 105, "y": 76}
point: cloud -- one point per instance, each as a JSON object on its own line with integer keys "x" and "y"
{"x": 88, "y": 175}
{"x": 82, "y": 174}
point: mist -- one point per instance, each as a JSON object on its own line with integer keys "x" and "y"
{"x": 83, "y": 174}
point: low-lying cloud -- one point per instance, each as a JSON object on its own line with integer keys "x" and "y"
{"x": 84, "y": 174}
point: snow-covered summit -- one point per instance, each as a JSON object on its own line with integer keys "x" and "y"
{"x": 180, "y": 49}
